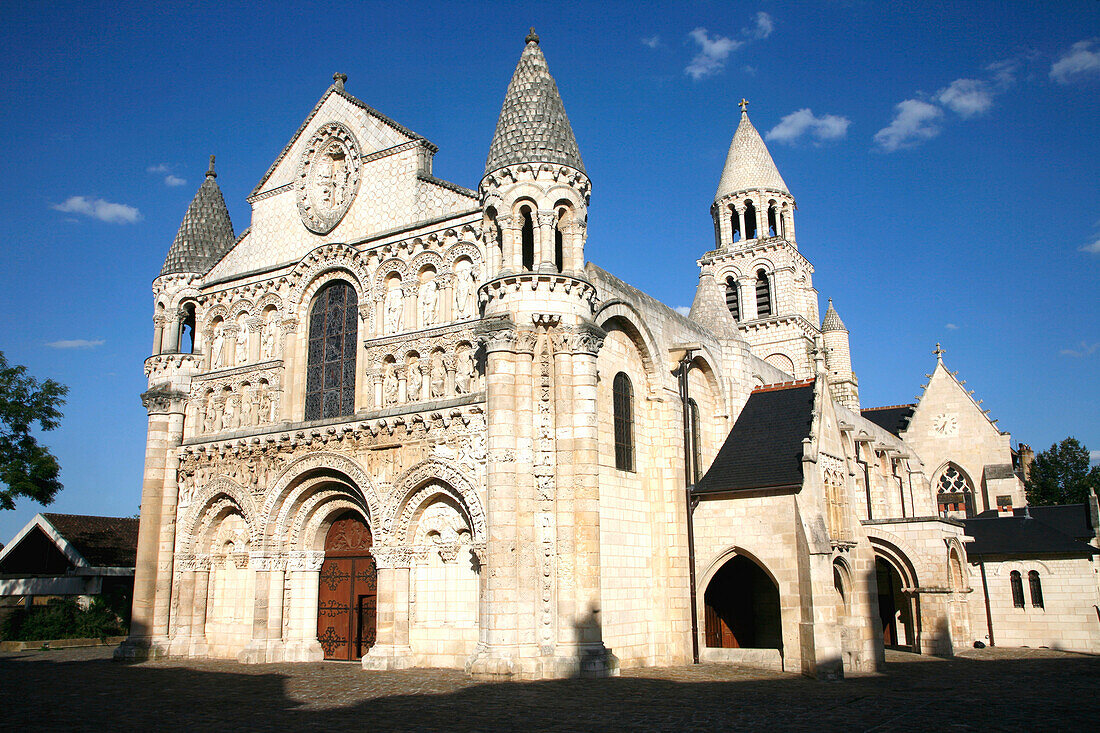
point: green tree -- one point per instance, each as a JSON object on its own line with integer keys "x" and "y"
{"x": 27, "y": 468}
{"x": 1061, "y": 475}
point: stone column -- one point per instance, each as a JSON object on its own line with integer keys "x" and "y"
{"x": 513, "y": 247}
{"x": 576, "y": 256}
{"x": 153, "y": 572}
{"x": 725, "y": 226}
{"x": 198, "y": 609}
{"x": 256, "y": 329}
{"x": 746, "y": 287}
{"x": 761, "y": 216}
{"x": 741, "y": 222}
{"x": 410, "y": 319}
{"x": 497, "y": 638}
{"x": 545, "y": 245}
{"x": 391, "y": 648}
{"x": 182, "y": 621}
{"x": 231, "y": 331}
{"x": 294, "y": 373}
{"x": 304, "y": 569}
{"x": 788, "y": 227}
{"x": 492, "y": 251}
{"x": 159, "y": 322}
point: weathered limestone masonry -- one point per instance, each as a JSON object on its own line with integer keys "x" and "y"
{"x": 402, "y": 422}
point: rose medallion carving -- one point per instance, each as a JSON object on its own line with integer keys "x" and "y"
{"x": 328, "y": 177}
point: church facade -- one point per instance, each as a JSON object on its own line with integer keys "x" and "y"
{"x": 400, "y": 421}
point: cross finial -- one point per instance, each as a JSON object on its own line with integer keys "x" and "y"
{"x": 743, "y": 104}
{"x": 210, "y": 171}
{"x": 939, "y": 352}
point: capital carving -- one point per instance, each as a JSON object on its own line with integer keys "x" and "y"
{"x": 497, "y": 334}
{"x": 547, "y": 218}
{"x": 162, "y": 400}
{"x": 587, "y": 338}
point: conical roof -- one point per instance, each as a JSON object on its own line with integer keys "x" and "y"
{"x": 749, "y": 165}
{"x": 709, "y": 307}
{"x": 533, "y": 126}
{"x": 832, "y": 320}
{"x": 205, "y": 234}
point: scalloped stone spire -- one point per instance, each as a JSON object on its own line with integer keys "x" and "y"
{"x": 832, "y": 321}
{"x": 533, "y": 126}
{"x": 205, "y": 234}
{"x": 749, "y": 165}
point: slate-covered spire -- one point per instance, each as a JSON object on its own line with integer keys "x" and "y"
{"x": 832, "y": 321}
{"x": 709, "y": 307}
{"x": 533, "y": 126}
{"x": 205, "y": 234}
{"x": 749, "y": 165}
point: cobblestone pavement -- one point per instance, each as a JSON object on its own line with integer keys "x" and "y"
{"x": 992, "y": 689}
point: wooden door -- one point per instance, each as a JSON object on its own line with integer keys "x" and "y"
{"x": 347, "y": 591}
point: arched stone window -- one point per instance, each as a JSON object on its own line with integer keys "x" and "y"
{"x": 773, "y": 219}
{"x": 330, "y": 370}
{"x": 186, "y": 343}
{"x": 954, "y": 493}
{"x": 1017, "y": 584}
{"x": 733, "y": 299}
{"x": 623, "y": 398}
{"x": 750, "y": 221}
{"x": 527, "y": 237}
{"x": 763, "y": 294}
{"x": 1036, "y": 587}
{"x": 693, "y": 433}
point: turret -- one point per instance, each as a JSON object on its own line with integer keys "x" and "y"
{"x": 203, "y": 238}
{"x": 535, "y": 191}
{"x": 838, "y": 360}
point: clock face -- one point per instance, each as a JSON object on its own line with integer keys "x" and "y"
{"x": 946, "y": 425}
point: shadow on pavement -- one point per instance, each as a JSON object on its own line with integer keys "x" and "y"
{"x": 45, "y": 691}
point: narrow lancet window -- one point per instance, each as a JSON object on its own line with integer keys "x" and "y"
{"x": 1017, "y": 588}
{"x": 623, "y": 398}
{"x": 1036, "y": 587}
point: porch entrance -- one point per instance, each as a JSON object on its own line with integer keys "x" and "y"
{"x": 347, "y": 595}
{"x": 742, "y": 608}
{"x": 894, "y": 608}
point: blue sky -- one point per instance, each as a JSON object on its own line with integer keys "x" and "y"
{"x": 944, "y": 158}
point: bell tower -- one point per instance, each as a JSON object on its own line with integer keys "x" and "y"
{"x": 541, "y": 598}
{"x": 767, "y": 283}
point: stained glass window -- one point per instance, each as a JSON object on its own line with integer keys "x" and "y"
{"x": 330, "y": 358}
{"x": 955, "y": 494}
{"x": 623, "y": 398}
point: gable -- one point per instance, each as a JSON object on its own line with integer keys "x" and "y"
{"x": 34, "y": 554}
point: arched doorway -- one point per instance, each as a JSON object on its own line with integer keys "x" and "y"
{"x": 347, "y": 590}
{"x": 742, "y": 608}
{"x": 894, "y": 607}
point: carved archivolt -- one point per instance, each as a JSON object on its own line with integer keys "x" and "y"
{"x": 355, "y": 474}
{"x": 426, "y": 479}
{"x": 209, "y": 501}
{"x": 394, "y": 265}
{"x": 315, "y": 514}
{"x": 426, "y": 258}
{"x": 307, "y": 275}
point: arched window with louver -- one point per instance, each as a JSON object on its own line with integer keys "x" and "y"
{"x": 733, "y": 299}
{"x": 330, "y": 370}
{"x": 763, "y": 295}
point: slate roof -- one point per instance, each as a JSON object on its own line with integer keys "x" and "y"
{"x": 205, "y": 234}
{"x": 533, "y": 126}
{"x": 764, "y": 448}
{"x": 749, "y": 165}
{"x": 102, "y": 541}
{"x": 1019, "y": 535}
{"x": 709, "y": 307}
{"x": 894, "y": 418}
{"x": 1072, "y": 520}
{"x": 832, "y": 321}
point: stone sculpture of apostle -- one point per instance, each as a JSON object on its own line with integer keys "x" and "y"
{"x": 393, "y": 306}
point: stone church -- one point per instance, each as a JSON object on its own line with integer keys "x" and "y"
{"x": 400, "y": 421}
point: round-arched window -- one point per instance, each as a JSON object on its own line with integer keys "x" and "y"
{"x": 330, "y": 370}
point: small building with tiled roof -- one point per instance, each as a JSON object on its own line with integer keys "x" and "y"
{"x": 68, "y": 555}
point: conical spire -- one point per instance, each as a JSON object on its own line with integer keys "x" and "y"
{"x": 205, "y": 234}
{"x": 533, "y": 126}
{"x": 709, "y": 307}
{"x": 749, "y": 165}
{"x": 832, "y": 321}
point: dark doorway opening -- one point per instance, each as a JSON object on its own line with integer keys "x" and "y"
{"x": 742, "y": 608}
{"x": 894, "y": 607}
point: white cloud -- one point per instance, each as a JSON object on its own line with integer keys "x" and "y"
{"x": 171, "y": 180}
{"x": 952, "y": 327}
{"x": 712, "y": 55}
{"x": 75, "y": 344}
{"x": 683, "y": 310}
{"x": 1081, "y": 61}
{"x": 1094, "y": 456}
{"x": 763, "y": 27}
{"x": 914, "y": 122}
{"x": 652, "y": 41}
{"x": 1086, "y": 349}
{"x": 1003, "y": 73}
{"x": 803, "y": 122}
{"x": 966, "y": 97}
{"x": 100, "y": 209}
{"x": 1092, "y": 247}
{"x": 162, "y": 168}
